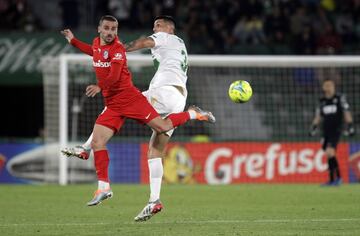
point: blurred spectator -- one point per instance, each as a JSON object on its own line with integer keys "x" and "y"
{"x": 5, "y": 15}
{"x": 165, "y": 7}
{"x": 344, "y": 26}
{"x": 328, "y": 5}
{"x": 299, "y": 20}
{"x": 319, "y": 21}
{"x": 249, "y": 30}
{"x": 305, "y": 42}
{"x": 121, "y": 9}
{"x": 275, "y": 24}
{"x": 329, "y": 42}
{"x": 16, "y": 15}
{"x": 218, "y": 26}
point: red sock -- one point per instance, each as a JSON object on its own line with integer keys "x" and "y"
{"x": 101, "y": 160}
{"x": 179, "y": 118}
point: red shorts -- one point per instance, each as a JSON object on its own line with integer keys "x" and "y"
{"x": 140, "y": 110}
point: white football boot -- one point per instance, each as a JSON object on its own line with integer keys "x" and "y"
{"x": 149, "y": 210}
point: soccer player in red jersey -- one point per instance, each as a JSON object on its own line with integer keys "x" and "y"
{"x": 122, "y": 99}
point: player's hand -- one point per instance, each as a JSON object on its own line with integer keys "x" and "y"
{"x": 92, "y": 90}
{"x": 313, "y": 130}
{"x": 350, "y": 130}
{"x": 68, "y": 34}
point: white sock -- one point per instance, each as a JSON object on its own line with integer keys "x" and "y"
{"x": 102, "y": 185}
{"x": 192, "y": 114}
{"x": 87, "y": 144}
{"x": 155, "y": 175}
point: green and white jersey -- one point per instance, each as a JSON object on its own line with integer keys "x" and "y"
{"x": 171, "y": 59}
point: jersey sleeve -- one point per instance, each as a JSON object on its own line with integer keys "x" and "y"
{"x": 344, "y": 104}
{"x": 113, "y": 76}
{"x": 318, "y": 109}
{"x": 117, "y": 60}
{"x": 159, "y": 38}
{"x": 84, "y": 47}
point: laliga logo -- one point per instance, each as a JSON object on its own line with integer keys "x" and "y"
{"x": 267, "y": 165}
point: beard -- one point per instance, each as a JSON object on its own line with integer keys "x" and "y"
{"x": 108, "y": 38}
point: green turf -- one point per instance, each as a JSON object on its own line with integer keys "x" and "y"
{"x": 189, "y": 210}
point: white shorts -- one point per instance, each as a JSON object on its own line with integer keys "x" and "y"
{"x": 166, "y": 100}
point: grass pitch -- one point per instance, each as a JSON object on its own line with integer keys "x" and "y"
{"x": 189, "y": 210}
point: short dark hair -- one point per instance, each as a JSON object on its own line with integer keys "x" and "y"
{"x": 328, "y": 80}
{"x": 108, "y": 18}
{"x": 166, "y": 18}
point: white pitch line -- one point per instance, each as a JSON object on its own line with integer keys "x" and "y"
{"x": 263, "y": 221}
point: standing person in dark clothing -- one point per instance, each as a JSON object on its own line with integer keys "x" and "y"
{"x": 332, "y": 111}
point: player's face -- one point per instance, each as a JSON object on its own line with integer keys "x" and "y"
{"x": 161, "y": 26}
{"x": 329, "y": 89}
{"x": 108, "y": 31}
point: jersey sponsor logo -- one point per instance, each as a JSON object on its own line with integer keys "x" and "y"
{"x": 106, "y": 54}
{"x": 101, "y": 64}
{"x": 329, "y": 109}
{"x": 117, "y": 56}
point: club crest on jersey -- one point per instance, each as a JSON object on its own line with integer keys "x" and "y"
{"x": 106, "y": 54}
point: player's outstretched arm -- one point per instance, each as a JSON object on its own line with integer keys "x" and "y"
{"x": 67, "y": 34}
{"x": 84, "y": 47}
{"x": 315, "y": 125}
{"x": 113, "y": 76}
{"x": 350, "y": 129}
{"x": 140, "y": 44}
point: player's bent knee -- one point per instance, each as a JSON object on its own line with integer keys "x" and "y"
{"x": 160, "y": 127}
{"x": 97, "y": 144}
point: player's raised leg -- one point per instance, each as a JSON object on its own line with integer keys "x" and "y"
{"x": 158, "y": 124}
{"x": 176, "y": 119}
{"x": 156, "y": 153}
{"x": 101, "y": 136}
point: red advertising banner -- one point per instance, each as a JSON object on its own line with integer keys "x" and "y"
{"x": 246, "y": 162}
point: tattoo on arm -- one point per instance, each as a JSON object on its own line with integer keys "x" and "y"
{"x": 130, "y": 46}
{"x": 139, "y": 44}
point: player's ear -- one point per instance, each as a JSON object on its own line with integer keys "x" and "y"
{"x": 99, "y": 29}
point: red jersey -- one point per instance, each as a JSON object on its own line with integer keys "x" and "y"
{"x": 112, "y": 74}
